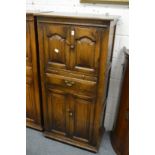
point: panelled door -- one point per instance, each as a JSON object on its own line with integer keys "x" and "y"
{"x": 70, "y": 47}
{"x": 69, "y": 115}
{"x": 81, "y": 118}
{"x": 56, "y": 51}
{"x": 85, "y": 54}
{"x": 57, "y": 103}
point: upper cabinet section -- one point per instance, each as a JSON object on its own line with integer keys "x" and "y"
{"x": 71, "y": 43}
{"x": 70, "y": 47}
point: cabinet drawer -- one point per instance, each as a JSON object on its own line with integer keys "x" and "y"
{"x": 71, "y": 83}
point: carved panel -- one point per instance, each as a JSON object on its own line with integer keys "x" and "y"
{"x": 56, "y": 50}
{"x": 85, "y": 52}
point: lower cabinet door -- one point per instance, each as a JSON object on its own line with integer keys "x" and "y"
{"x": 69, "y": 115}
{"x": 56, "y": 112}
{"x": 83, "y": 113}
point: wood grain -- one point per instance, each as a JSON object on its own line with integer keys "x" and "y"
{"x": 33, "y": 104}
{"x": 74, "y": 55}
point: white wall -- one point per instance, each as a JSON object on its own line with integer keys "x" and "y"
{"x": 122, "y": 39}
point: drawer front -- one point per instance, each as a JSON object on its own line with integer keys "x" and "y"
{"x": 71, "y": 83}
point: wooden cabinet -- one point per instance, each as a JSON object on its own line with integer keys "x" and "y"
{"x": 120, "y": 134}
{"x": 33, "y": 114}
{"x": 75, "y": 57}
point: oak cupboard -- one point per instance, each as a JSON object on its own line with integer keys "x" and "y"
{"x": 75, "y": 53}
{"x": 33, "y": 111}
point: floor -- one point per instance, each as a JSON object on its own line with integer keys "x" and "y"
{"x": 36, "y": 144}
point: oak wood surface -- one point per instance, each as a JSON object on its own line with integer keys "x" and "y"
{"x": 33, "y": 111}
{"x": 75, "y": 55}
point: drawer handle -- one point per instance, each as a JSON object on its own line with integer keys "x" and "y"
{"x": 69, "y": 83}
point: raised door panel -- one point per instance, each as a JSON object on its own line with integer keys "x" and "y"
{"x": 30, "y": 101}
{"x": 86, "y": 53}
{"x": 83, "y": 119}
{"x": 56, "y": 110}
{"x": 55, "y": 49}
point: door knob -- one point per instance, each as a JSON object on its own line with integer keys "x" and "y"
{"x": 72, "y": 46}
{"x": 70, "y": 112}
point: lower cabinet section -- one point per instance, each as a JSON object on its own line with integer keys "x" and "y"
{"x": 69, "y": 116}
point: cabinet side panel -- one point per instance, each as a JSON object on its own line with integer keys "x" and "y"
{"x": 31, "y": 63}
{"x": 101, "y": 90}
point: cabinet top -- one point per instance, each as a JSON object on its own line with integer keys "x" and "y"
{"x": 74, "y": 15}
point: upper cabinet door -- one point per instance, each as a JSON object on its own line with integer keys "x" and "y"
{"x": 54, "y": 47}
{"x": 86, "y": 49}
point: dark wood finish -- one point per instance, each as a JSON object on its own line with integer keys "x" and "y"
{"x": 33, "y": 112}
{"x": 74, "y": 65}
{"x": 120, "y": 135}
